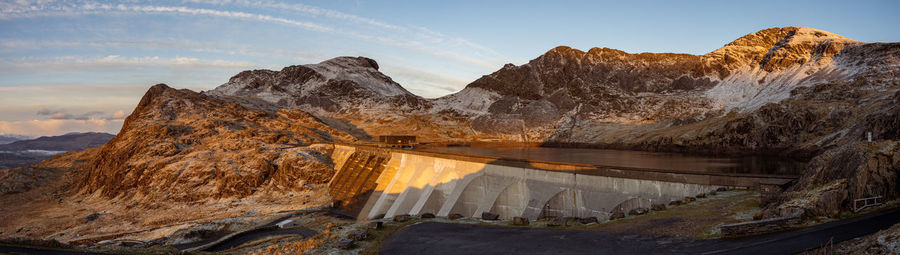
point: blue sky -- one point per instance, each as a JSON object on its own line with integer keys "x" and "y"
{"x": 82, "y": 65}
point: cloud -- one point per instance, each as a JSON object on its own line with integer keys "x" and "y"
{"x": 119, "y": 115}
{"x": 309, "y": 10}
{"x": 115, "y": 61}
{"x": 407, "y": 39}
{"x": 53, "y": 127}
{"x": 92, "y": 115}
{"x": 420, "y": 80}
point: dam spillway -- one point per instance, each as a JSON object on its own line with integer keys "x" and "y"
{"x": 376, "y": 182}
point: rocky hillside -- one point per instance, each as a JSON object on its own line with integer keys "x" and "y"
{"x": 181, "y": 159}
{"x": 791, "y": 91}
{"x": 180, "y": 145}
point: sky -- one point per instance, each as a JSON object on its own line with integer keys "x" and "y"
{"x": 77, "y": 66}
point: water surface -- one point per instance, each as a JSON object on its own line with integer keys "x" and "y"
{"x": 639, "y": 159}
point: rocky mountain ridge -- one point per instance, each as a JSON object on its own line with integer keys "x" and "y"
{"x": 792, "y": 91}
{"x": 572, "y": 96}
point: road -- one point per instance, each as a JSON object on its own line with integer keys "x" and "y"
{"x": 444, "y": 238}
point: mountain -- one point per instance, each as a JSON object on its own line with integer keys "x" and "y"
{"x": 67, "y": 142}
{"x": 181, "y": 157}
{"x": 791, "y": 91}
{"x": 250, "y": 145}
{"x": 27, "y": 152}
{"x": 5, "y": 139}
{"x": 180, "y": 145}
{"x": 338, "y": 85}
{"x": 566, "y": 87}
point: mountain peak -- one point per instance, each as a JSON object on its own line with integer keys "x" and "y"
{"x": 326, "y": 87}
{"x": 779, "y": 47}
{"x": 347, "y": 61}
{"x": 768, "y": 38}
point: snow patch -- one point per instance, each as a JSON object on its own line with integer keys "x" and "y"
{"x": 469, "y": 100}
{"x": 750, "y": 88}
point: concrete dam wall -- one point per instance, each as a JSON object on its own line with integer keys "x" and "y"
{"x": 374, "y": 182}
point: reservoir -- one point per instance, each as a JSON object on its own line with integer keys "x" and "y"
{"x": 665, "y": 161}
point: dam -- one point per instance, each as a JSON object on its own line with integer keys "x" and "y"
{"x": 372, "y": 183}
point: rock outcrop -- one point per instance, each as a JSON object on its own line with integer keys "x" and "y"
{"x": 179, "y": 145}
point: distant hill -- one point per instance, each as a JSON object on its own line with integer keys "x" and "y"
{"x": 27, "y": 152}
{"x": 67, "y": 142}
{"x": 5, "y": 139}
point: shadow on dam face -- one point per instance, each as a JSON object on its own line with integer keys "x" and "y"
{"x": 381, "y": 183}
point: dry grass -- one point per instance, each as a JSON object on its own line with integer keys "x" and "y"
{"x": 700, "y": 219}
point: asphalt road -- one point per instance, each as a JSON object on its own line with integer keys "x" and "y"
{"x": 434, "y": 238}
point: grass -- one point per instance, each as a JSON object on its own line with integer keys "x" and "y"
{"x": 372, "y": 246}
{"x": 699, "y": 219}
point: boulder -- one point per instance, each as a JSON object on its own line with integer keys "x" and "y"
{"x": 376, "y": 225}
{"x": 520, "y": 221}
{"x": 658, "y": 207}
{"x": 701, "y": 195}
{"x": 712, "y": 193}
{"x": 588, "y": 220}
{"x": 92, "y": 217}
{"x": 830, "y": 203}
{"x": 358, "y": 235}
{"x": 401, "y": 218}
{"x": 617, "y": 215}
{"x": 490, "y": 216}
{"x": 427, "y": 216}
{"x": 638, "y": 211}
{"x": 674, "y": 203}
{"x": 454, "y": 216}
{"x": 722, "y": 189}
{"x": 687, "y": 200}
{"x": 346, "y": 244}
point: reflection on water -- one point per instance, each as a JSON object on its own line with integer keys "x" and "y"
{"x": 639, "y": 159}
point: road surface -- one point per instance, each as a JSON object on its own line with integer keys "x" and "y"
{"x": 434, "y": 238}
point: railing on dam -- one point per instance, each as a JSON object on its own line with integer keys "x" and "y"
{"x": 376, "y": 182}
